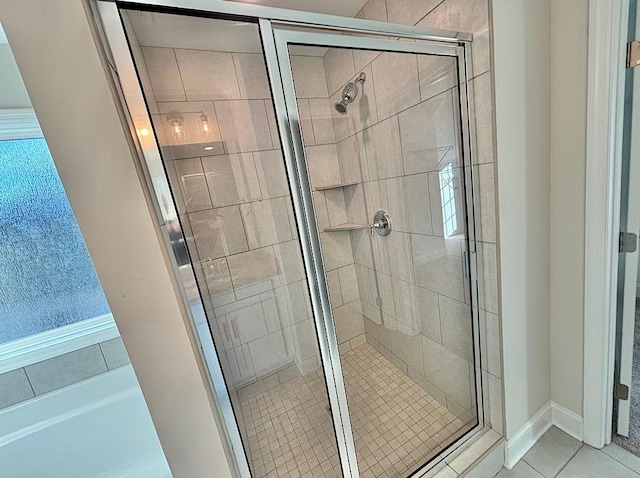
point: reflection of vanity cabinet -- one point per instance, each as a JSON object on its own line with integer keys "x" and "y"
{"x": 253, "y": 337}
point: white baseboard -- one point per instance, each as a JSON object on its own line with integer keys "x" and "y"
{"x": 527, "y": 436}
{"x": 549, "y": 415}
{"x": 567, "y": 421}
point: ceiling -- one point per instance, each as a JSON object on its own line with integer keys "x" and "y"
{"x": 177, "y": 31}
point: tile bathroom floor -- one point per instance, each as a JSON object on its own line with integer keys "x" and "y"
{"x": 397, "y": 425}
{"x": 559, "y": 455}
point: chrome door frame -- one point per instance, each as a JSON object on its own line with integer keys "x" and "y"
{"x": 275, "y": 42}
{"x": 112, "y": 41}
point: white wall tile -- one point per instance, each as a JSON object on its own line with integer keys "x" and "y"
{"x": 348, "y": 321}
{"x": 322, "y": 120}
{"x": 64, "y": 370}
{"x": 163, "y": 71}
{"x": 437, "y": 74}
{"x": 361, "y": 246}
{"x": 14, "y": 388}
{"x": 352, "y": 157}
{"x": 244, "y": 125}
{"x": 114, "y": 352}
{"x": 372, "y": 10}
{"x": 271, "y": 173}
{"x": 218, "y": 232}
{"x": 252, "y": 75}
{"x": 336, "y": 249}
{"x": 492, "y": 334}
{"x": 482, "y": 112}
{"x": 495, "y": 403}
{"x": 336, "y": 207}
{"x": 429, "y": 313}
{"x": 193, "y": 184}
{"x": 409, "y": 12}
{"x": 307, "y": 341}
{"x": 438, "y": 265}
{"x": 266, "y": 222}
{"x": 323, "y": 165}
{"x": 355, "y": 204}
{"x": 417, "y": 200}
{"x": 306, "y": 125}
{"x": 253, "y": 266}
{"x": 309, "y": 76}
{"x": 383, "y": 152}
{"x": 217, "y": 277}
{"x": 289, "y": 260}
{"x": 207, "y": 75}
{"x": 428, "y": 135}
{"x": 490, "y": 277}
{"x": 407, "y": 348}
{"x": 335, "y": 293}
{"x": 348, "y": 283}
{"x": 455, "y": 323}
{"x": 396, "y": 81}
{"x": 465, "y": 16}
{"x": 338, "y": 63}
{"x": 320, "y": 209}
{"x": 487, "y": 206}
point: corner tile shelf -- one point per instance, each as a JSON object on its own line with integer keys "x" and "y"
{"x": 337, "y": 185}
{"x": 345, "y": 226}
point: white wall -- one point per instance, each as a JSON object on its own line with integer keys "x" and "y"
{"x": 569, "y": 35}
{"x": 522, "y": 68}
{"x": 55, "y": 51}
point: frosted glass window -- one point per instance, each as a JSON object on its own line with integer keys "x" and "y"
{"x": 448, "y": 197}
{"x": 47, "y": 279}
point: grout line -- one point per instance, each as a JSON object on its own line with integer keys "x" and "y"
{"x": 29, "y": 381}
{"x": 184, "y": 91}
{"x": 104, "y": 359}
{"x": 563, "y": 466}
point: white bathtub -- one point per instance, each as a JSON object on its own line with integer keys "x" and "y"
{"x": 98, "y": 428}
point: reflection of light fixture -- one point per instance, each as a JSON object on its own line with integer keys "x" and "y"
{"x": 208, "y": 148}
{"x": 205, "y": 130}
{"x": 143, "y": 132}
{"x": 177, "y": 128}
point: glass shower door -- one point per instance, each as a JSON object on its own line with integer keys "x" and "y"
{"x": 377, "y": 134}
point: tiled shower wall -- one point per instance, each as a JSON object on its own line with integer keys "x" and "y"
{"x": 234, "y": 204}
{"x": 445, "y": 310}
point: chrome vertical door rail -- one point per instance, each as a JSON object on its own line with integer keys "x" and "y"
{"x": 464, "y": 60}
{"x": 288, "y": 121}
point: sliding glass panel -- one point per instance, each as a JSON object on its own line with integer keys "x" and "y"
{"x": 206, "y": 87}
{"x": 382, "y": 144}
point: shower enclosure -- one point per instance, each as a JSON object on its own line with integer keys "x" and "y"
{"x": 313, "y": 178}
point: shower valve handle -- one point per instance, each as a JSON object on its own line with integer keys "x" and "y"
{"x": 381, "y": 223}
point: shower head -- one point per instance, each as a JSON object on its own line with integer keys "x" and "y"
{"x": 349, "y": 93}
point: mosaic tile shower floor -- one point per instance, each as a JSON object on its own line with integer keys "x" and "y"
{"x": 396, "y": 424}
